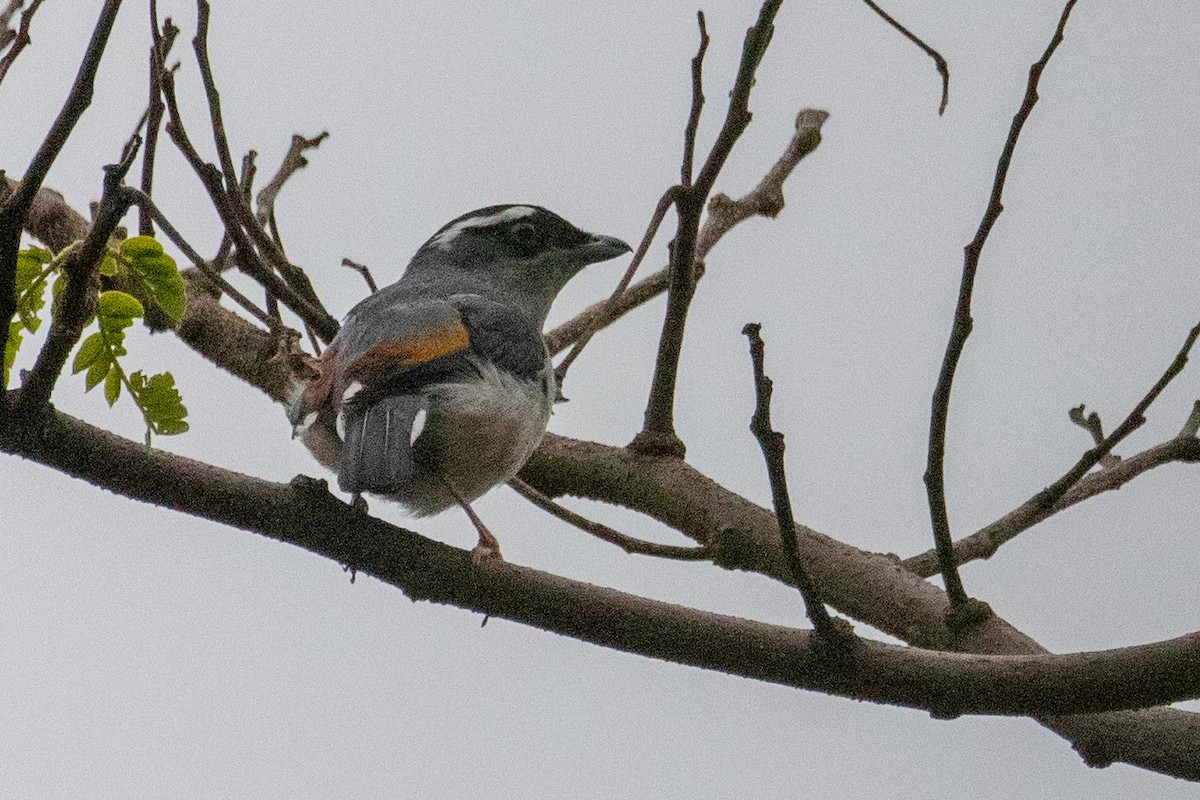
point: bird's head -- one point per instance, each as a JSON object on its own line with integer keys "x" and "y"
{"x": 521, "y": 251}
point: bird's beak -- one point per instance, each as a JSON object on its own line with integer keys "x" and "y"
{"x": 600, "y": 248}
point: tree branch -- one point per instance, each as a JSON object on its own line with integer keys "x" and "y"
{"x": 18, "y": 41}
{"x": 942, "y": 67}
{"x": 658, "y": 436}
{"x": 14, "y": 209}
{"x": 772, "y": 445}
{"x": 604, "y": 533}
{"x": 765, "y": 199}
{"x": 961, "y": 329}
{"x": 306, "y": 515}
{"x": 77, "y": 304}
{"x": 293, "y": 162}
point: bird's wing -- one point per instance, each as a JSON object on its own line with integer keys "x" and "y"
{"x": 386, "y": 357}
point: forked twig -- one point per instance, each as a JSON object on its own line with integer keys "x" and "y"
{"x": 18, "y": 40}
{"x": 658, "y": 436}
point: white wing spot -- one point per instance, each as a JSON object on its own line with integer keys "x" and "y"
{"x": 447, "y": 236}
{"x": 304, "y": 424}
{"x": 351, "y": 390}
{"x": 418, "y": 426}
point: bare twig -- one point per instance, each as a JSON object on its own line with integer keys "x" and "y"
{"x": 985, "y": 542}
{"x": 18, "y": 41}
{"x": 627, "y": 543}
{"x": 200, "y": 47}
{"x": 942, "y": 67}
{"x": 1091, "y": 424}
{"x": 6, "y": 15}
{"x": 614, "y": 300}
{"x": 1076, "y": 485}
{"x": 293, "y": 162}
{"x": 693, "y": 123}
{"x": 162, "y": 42}
{"x": 364, "y": 271}
{"x": 658, "y": 436}
{"x": 771, "y": 442}
{"x": 765, "y": 199}
{"x": 961, "y": 329}
{"x": 1049, "y": 496}
{"x": 14, "y": 209}
{"x": 153, "y": 212}
{"x": 226, "y": 206}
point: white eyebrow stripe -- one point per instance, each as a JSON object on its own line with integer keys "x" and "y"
{"x": 447, "y": 236}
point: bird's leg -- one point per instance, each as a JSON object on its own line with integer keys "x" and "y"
{"x": 488, "y": 548}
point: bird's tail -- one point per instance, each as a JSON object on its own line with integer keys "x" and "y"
{"x": 378, "y": 453}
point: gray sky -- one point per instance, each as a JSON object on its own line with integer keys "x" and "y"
{"x": 147, "y": 654}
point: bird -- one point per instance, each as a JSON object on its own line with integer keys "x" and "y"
{"x": 439, "y": 387}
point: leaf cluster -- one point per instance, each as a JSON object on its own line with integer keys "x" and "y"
{"x": 141, "y": 264}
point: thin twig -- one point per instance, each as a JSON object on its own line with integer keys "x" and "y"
{"x": 942, "y": 67}
{"x": 1076, "y": 485}
{"x": 152, "y": 211}
{"x": 614, "y": 300}
{"x": 293, "y": 162}
{"x": 1054, "y": 492}
{"x": 200, "y": 47}
{"x": 18, "y": 41}
{"x": 961, "y": 329}
{"x": 765, "y": 199}
{"x": 771, "y": 442}
{"x": 14, "y": 209}
{"x": 1091, "y": 423}
{"x": 364, "y": 271}
{"x": 247, "y": 255}
{"x": 627, "y": 543}
{"x": 988, "y": 540}
{"x": 693, "y": 123}
{"x": 77, "y": 303}
{"x": 658, "y": 436}
{"x": 161, "y": 44}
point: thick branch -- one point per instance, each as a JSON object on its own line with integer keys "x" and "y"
{"x": 866, "y": 586}
{"x": 304, "y": 514}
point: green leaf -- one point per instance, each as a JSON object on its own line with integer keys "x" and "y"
{"x": 112, "y": 386}
{"x": 97, "y": 372}
{"x": 11, "y": 347}
{"x": 170, "y": 427}
{"x": 159, "y": 274}
{"x": 91, "y": 349}
{"x": 108, "y": 266}
{"x": 140, "y": 247}
{"x": 118, "y": 304}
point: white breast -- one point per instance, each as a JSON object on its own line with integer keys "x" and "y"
{"x": 478, "y": 434}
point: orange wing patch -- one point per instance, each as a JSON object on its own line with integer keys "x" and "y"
{"x": 409, "y": 351}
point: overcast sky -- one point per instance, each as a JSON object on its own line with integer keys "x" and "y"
{"x": 148, "y": 654}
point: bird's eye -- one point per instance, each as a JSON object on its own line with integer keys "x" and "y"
{"x": 524, "y": 234}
